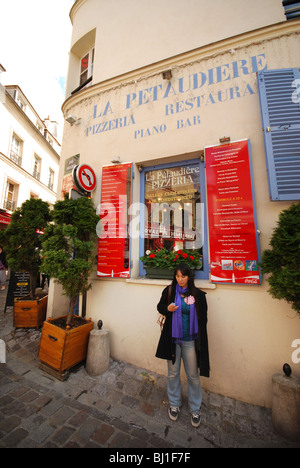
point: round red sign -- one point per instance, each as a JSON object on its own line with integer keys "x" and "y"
{"x": 86, "y": 177}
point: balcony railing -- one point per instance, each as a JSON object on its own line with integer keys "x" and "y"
{"x": 9, "y": 205}
{"x": 15, "y": 158}
{"x": 36, "y": 174}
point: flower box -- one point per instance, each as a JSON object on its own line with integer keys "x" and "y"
{"x": 161, "y": 263}
{"x": 158, "y": 273}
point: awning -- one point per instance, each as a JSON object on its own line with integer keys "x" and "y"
{"x": 4, "y": 218}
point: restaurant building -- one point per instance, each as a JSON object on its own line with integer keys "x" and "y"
{"x": 188, "y": 119}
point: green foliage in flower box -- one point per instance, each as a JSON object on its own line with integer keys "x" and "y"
{"x": 167, "y": 259}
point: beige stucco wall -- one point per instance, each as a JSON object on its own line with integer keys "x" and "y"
{"x": 250, "y": 334}
{"x": 135, "y": 33}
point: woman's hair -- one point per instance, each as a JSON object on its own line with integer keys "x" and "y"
{"x": 185, "y": 271}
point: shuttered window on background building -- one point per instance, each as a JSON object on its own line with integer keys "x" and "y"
{"x": 279, "y": 92}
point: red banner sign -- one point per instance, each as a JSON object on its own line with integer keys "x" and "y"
{"x": 231, "y": 220}
{"x": 4, "y": 218}
{"x": 114, "y": 245}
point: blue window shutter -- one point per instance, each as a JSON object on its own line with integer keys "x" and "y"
{"x": 279, "y": 93}
{"x": 291, "y": 9}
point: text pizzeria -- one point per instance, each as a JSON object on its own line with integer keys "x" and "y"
{"x": 109, "y": 125}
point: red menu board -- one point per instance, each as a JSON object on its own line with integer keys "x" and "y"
{"x": 232, "y": 227}
{"x": 114, "y": 245}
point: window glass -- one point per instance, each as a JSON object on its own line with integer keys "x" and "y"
{"x": 87, "y": 66}
{"x": 84, "y": 68}
{"x": 92, "y": 61}
{"x": 16, "y": 150}
{"x": 16, "y": 145}
{"x": 173, "y": 209}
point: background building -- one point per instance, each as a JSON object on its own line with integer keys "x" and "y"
{"x": 157, "y": 85}
{"x": 29, "y": 153}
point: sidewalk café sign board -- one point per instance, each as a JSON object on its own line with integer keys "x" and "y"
{"x": 19, "y": 286}
{"x": 114, "y": 242}
{"x": 233, "y": 236}
{"x": 84, "y": 178}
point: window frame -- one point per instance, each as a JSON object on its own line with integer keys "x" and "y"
{"x": 37, "y": 165}
{"x": 16, "y": 151}
{"x": 90, "y": 54}
{"x": 199, "y": 274}
{"x": 11, "y": 197}
{"x": 51, "y": 176}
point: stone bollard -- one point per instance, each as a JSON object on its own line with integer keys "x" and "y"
{"x": 97, "y": 361}
{"x": 286, "y": 406}
{"x": 2, "y": 352}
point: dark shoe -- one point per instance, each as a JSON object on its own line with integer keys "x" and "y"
{"x": 196, "y": 419}
{"x": 173, "y": 413}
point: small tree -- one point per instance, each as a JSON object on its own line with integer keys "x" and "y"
{"x": 69, "y": 247}
{"x": 21, "y": 240}
{"x": 283, "y": 260}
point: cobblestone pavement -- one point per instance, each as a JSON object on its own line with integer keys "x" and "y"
{"x": 124, "y": 408}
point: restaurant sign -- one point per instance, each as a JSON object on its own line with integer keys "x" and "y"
{"x": 233, "y": 235}
{"x": 114, "y": 240}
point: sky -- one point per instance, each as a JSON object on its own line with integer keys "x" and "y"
{"x": 35, "y": 37}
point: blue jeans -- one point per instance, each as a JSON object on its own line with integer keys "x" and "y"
{"x": 186, "y": 351}
{"x": 2, "y": 277}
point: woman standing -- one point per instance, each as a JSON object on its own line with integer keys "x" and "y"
{"x": 3, "y": 268}
{"x": 184, "y": 336}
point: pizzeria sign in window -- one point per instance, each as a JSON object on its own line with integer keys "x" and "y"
{"x": 174, "y": 212}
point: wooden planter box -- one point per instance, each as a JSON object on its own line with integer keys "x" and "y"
{"x": 30, "y": 313}
{"x": 62, "y": 349}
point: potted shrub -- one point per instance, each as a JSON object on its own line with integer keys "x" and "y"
{"x": 22, "y": 242}
{"x": 68, "y": 258}
{"x": 282, "y": 260}
{"x": 160, "y": 263}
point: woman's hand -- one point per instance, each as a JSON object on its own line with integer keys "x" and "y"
{"x": 172, "y": 307}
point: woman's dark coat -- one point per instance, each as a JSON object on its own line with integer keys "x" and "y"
{"x": 166, "y": 348}
{"x": 3, "y": 259}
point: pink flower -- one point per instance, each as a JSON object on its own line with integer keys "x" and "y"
{"x": 189, "y": 300}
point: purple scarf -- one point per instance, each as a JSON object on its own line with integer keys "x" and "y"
{"x": 177, "y": 331}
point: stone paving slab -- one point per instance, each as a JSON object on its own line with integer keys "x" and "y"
{"x": 125, "y": 408}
